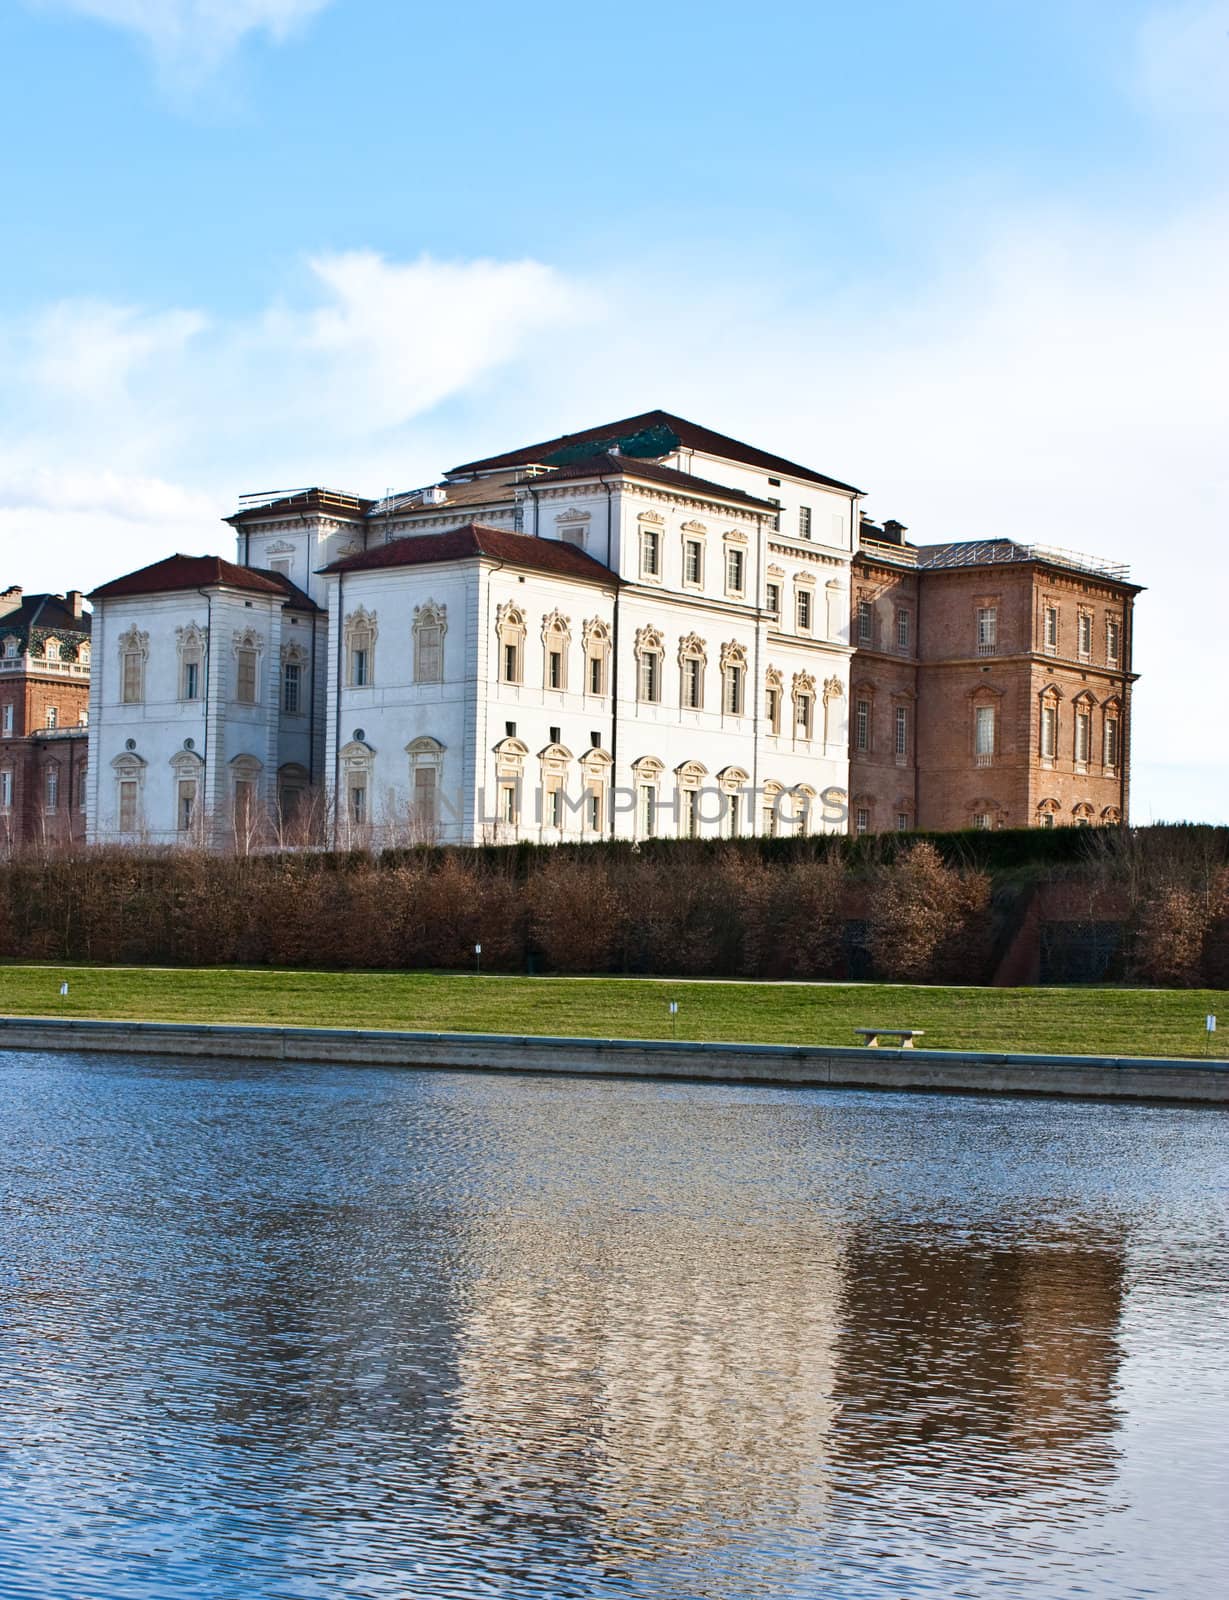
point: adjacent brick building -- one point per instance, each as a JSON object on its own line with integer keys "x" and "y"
{"x": 44, "y": 710}
{"x": 990, "y": 685}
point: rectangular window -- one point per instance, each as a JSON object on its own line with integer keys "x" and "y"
{"x": 650, "y": 553}
{"x": 734, "y": 691}
{"x": 1110, "y": 752}
{"x": 987, "y": 630}
{"x": 53, "y": 717}
{"x": 191, "y": 680}
{"x": 650, "y": 677}
{"x": 52, "y": 790}
{"x": 130, "y": 688}
{"x": 554, "y": 669}
{"x": 429, "y": 665}
{"x": 866, "y": 622}
{"x": 804, "y": 522}
{"x": 595, "y": 810}
{"x": 187, "y": 805}
{"x": 734, "y": 571}
{"x": 772, "y": 599}
{"x": 902, "y": 822}
{"x": 983, "y": 735}
{"x": 802, "y": 717}
{"x": 575, "y": 535}
{"x": 981, "y": 819}
{"x": 902, "y": 631}
{"x": 803, "y": 603}
{"x": 692, "y": 684}
{"x": 1083, "y": 738}
{"x": 1050, "y": 632}
{"x": 7, "y": 724}
{"x": 424, "y": 795}
{"x": 862, "y": 820}
{"x": 245, "y": 677}
{"x": 902, "y": 730}
{"x": 597, "y": 676}
{"x": 862, "y": 725}
{"x": 554, "y": 807}
{"x": 292, "y": 686}
{"x": 1113, "y": 641}
{"x": 281, "y": 565}
{"x": 128, "y": 805}
{"x": 507, "y": 802}
{"x": 1046, "y": 819}
{"x": 358, "y": 801}
{"x": 358, "y": 668}
{"x": 731, "y": 816}
{"x": 646, "y": 810}
{"x": 1049, "y": 732}
{"x": 1085, "y": 634}
{"x": 693, "y": 562}
{"x": 772, "y": 709}
{"x": 512, "y": 663}
{"x": 6, "y": 790}
{"x": 688, "y": 822}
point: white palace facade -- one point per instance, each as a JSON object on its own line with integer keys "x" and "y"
{"x": 641, "y": 629}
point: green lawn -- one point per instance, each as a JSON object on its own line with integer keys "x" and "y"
{"x": 1069, "y": 1021}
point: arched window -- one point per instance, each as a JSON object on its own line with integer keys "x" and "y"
{"x": 834, "y": 722}
{"x": 595, "y": 766}
{"x": 430, "y": 625}
{"x": 692, "y": 661}
{"x": 360, "y": 632}
{"x": 51, "y": 649}
{"x": 647, "y": 775}
{"x": 1082, "y": 814}
{"x": 649, "y": 652}
{"x": 735, "y": 817}
{"x": 133, "y": 654}
{"x": 51, "y": 787}
{"x": 802, "y": 807}
{"x": 247, "y": 813}
{"x": 187, "y": 767}
{"x": 293, "y": 783}
{"x": 689, "y": 778}
{"x": 1111, "y": 737}
{"x": 129, "y": 770}
{"x": 770, "y": 813}
{"x": 596, "y": 640}
{"x": 426, "y": 775}
{"x": 1048, "y": 725}
{"x": 354, "y": 801}
{"x": 510, "y": 756}
{"x": 510, "y": 641}
{"x": 552, "y": 793}
{"x": 249, "y": 645}
{"x": 190, "y": 648}
{"x": 556, "y": 646}
{"x": 1047, "y": 813}
{"x": 733, "y": 679}
{"x": 295, "y": 686}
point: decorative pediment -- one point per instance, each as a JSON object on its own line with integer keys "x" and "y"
{"x": 573, "y": 514}
{"x": 695, "y": 528}
{"x": 187, "y": 763}
{"x": 508, "y": 615}
{"x": 283, "y": 547}
{"x": 555, "y": 757}
{"x": 733, "y": 654}
{"x": 732, "y": 777}
{"x": 594, "y": 632}
{"x": 653, "y": 517}
{"x": 424, "y": 745}
{"x": 248, "y": 639}
{"x": 692, "y": 647}
{"x": 803, "y": 683}
{"x": 191, "y": 639}
{"x": 556, "y": 626}
{"x": 133, "y": 640}
{"x": 691, "y": 774}
{"x": 776, "y": 572}
{"x": 648, "y": 767}
{"x": 735, "y": 536}
{"x": 648, "y": 638}
{"x": 294, "y": 654}
{"x": 773, "y": 678}
{"x": 596, "y": 760}
{"x": 833, "y": 689}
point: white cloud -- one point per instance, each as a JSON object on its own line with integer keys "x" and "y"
{"x": 1182, "y": 61}
{"x": 190, "y": 38}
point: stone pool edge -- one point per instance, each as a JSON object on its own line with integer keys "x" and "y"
{"x": 812, "y": 1066}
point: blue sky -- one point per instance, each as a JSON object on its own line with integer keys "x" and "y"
{"x": 970, "y": 256}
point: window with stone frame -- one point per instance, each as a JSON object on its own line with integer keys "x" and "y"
{"x": 6, "y": 720}
{"x": 51, "y": 787}
{"x": 52, "y": 717}
{"x": 773, "y": 689}
{"x": 866, "y": 622}
{"x": 1082, "y": 749}
{"x": 650, "y": 550}
{"x": 649, "y": 651}
{"x": 1049, "y": 628}
{"x": 804, "y": 522}
{"x": 1111, "y": 754}
{"x": 900, "y": 729}
{"x": 556, "y": 645}
{"x": 595, "y": 638}
{"x": 904, "y": 630}
{"x": 1113, "y": 642}
{"x": 133, "y": 653}
{"x": 733, "y": 679}
{"x": 804, "y": 608}
{"x": 735, "y": 568}
{"x": 647, "y": 775}
{"x": 1084, "y": 634}
{"x": 361, "y": 631}
{"x": 862, "y": 723}
{"x": 985, "y": 734}
{"x": 510, "y": 640}
{"x": 51, "y": 649}
{"x": 429, "y": 627}
{"x": 246, "y": 669}
{"x": 987, "y": 630}
{"x": 803, "y": 693}
{"x": 1048, "y": 740}
{"x": 772, "y": 599}
{"x": 692, "y": 661}
{"x": 693, "y": 562}
{"x": 129, "y": 770}
{"x": 689, "y": 779}
{"x": 6, "y": 788}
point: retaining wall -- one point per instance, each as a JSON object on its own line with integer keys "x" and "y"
{"x": 820, "y": 1066}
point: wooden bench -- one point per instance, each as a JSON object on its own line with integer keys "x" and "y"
{"x": 906, "y": 1036}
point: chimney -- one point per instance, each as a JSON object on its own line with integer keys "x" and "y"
{"x": 10, "y": 599}
{"x": 73, "y": 601}
{"x": 895, "y": 531}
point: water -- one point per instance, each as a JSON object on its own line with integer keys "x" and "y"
{"x": 293, "y": 1333}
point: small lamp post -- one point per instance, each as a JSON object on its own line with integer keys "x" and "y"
{"x": 477, "y": 961}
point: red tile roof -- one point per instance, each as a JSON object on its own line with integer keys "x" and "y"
{"x": 477, "y": 539}
{"x": 608, "y": 465}
{"x": 190, "y": 572}
{"x": 690, "y": 435}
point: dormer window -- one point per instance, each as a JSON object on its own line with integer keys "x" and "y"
{"x": 51, "y": 650}
{"x": 10, "y": 648}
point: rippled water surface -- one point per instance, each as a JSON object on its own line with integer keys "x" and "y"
{"x": 291, "y": 1333}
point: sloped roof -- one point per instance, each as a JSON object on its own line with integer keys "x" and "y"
{"x": 652, "y": 434}
{"x": 192, "y": 572}
{"x": 51, "y": 612}
{"x": 334, "y": 501}
{"x": 478, "y": 539}
{"x": 608, "y": 465}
